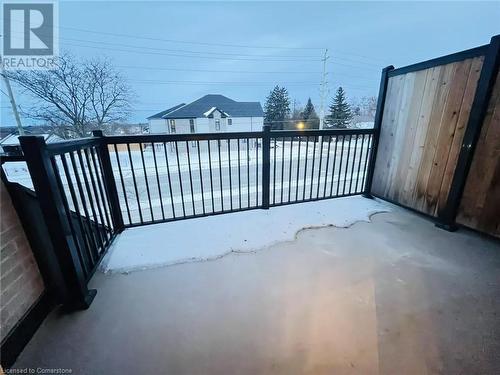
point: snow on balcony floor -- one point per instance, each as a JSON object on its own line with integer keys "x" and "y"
{"x": 212, "y": 237}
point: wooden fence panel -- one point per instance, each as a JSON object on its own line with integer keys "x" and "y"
{"x": 480, "y": 204}
{"x": 421, "y": 133}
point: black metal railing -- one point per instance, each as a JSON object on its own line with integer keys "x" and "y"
{"x": 91, "y": 189}
{"x": 169, "y": 177}
{"x": 321, "y": 165}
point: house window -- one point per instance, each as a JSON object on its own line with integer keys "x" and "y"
{"x": 230, "y": 121}
{"x": 217, "y": 124}
{"x": 191, "y": 125}
{"x": 172, "y": 126}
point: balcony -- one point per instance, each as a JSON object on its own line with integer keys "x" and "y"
{"x": 393, "y": 295}
{"x": 274, "y": 252}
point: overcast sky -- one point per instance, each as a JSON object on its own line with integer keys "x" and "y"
{"x": 177, "y": 52}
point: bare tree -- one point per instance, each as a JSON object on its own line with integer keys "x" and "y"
{"x": 77, "y": 96}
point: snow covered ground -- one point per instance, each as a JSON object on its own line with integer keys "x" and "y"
{"x": 215, "y": 236}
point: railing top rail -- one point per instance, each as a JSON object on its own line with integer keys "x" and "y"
{"x": 9, "y": 157}
{"x": 317, "y": 132}
{"x": 72, "y": 145}
{"x": 148, "y": 138}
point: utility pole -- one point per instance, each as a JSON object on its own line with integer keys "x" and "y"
{"x": 323, "y": 91}
{"x": 12, "y": 101}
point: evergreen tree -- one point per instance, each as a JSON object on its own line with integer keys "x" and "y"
{"x": 309, "y": 116}
{"x": 340, "y": 112}
{"x": 277, "y": 107}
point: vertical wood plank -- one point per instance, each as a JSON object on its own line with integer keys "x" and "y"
{"x": 431, "y": 90}
{"x": 446, "y": 132}
{"x": 463, "y": 117}
{"x": 446, "y": 73}
{"x": 386, "y": 142}
{"x": 480, "y": 203}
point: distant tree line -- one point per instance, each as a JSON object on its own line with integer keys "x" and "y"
{"x": 340, "y": 114}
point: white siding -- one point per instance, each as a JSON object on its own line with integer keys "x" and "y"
{"x": 207, "y": 125}
{"x": 158, "y": 126}
{"x": 246, "y": 124}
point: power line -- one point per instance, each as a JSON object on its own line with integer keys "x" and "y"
{"x": 231, "y": 83}
{"x": 129, "y": 36}
{"x": 375, "y": 78}
{"x": 188, "y": 56}
{"x": 200, "y": 53}
{"x": 215, "y": 71}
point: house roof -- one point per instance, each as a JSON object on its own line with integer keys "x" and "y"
{"x": 163, "y": 113}
{"x": 207, "y": 104}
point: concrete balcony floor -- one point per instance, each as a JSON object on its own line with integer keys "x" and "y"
{"x": 394, "y": 296}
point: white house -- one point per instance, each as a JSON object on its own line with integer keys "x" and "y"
{"x": 211, "y": 113}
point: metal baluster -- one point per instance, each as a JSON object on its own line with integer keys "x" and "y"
{"x": 312, "y": 167}
{"x": 91, "y": 201}
{"x": 94, "y": 250}
{"x": 327, "y": 164}
{"x": 146, "y": 180}
{"x": 298, "y": 169}
{"x": 353, "y": 163}
{"x": 201, "y": 177}
{"x": 93, "y": 181}
{"x": 230, "y": 174}
{"x": 282, "y": 168}
{"x": 239, "y": 175}
{"x": 305, "y": 169}
{"x": 220, "y": 177}
{"x": 360, "y": 160}
{"x": 290, "y": 170}
{"x": 100, "y": 185}
{"x": 347, "y": 164}
{"x": 368, "y": 151}
{"x": 67, "y": 211}
{"x": 320, "y": 141}
{"x": 274, "y": 173}
{"x": 158, "y": 181}
{"x": 256, "y": 172}
{"x": 340, "y": 164}
{"x": 180, "y": 179}
{"x": 169, "y": 179}
{"x": 190, "y": 176}
{"x": 135, "y": 183}
{"x": 123, "y": 184}
{"x": 96, "y": 196}
{"x": 211, "y": 179}
{"x": 248, "y": 172}
{"x": 85, "y": 234}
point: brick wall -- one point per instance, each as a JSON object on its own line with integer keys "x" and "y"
{"x": 20, "y": 281}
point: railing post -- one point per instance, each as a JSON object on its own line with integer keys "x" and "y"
{"x": 376, "y": 126}
{"x": 109, "y": 182}
{"x": 446, "y": 218}
{"x": 70, "y": 284}
{"x": 266, "y": 165}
